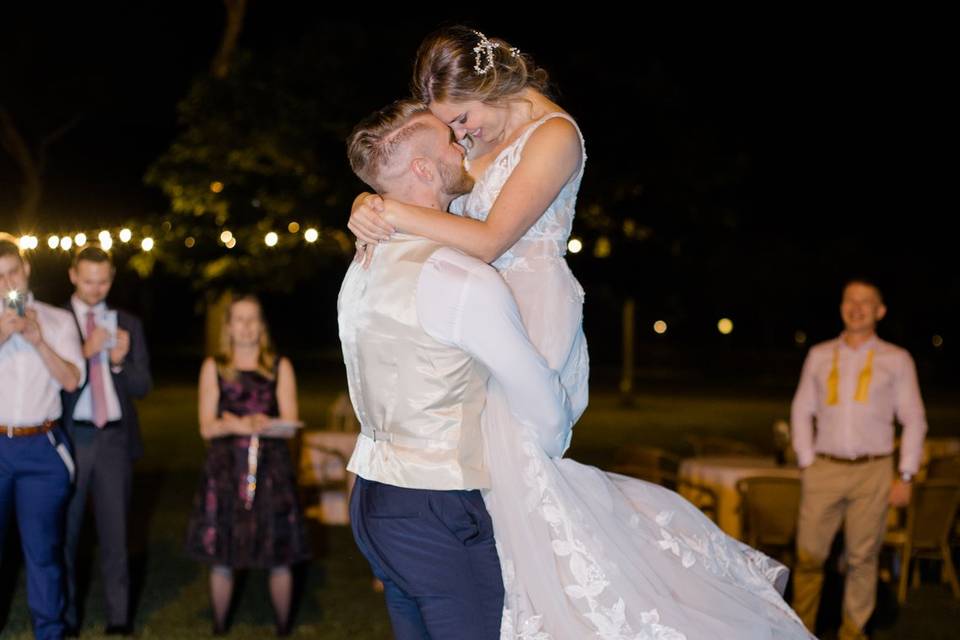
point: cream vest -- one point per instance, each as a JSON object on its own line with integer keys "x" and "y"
{"x": 418, "y": 400}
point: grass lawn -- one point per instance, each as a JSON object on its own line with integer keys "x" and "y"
{"x": 337, "y": 600}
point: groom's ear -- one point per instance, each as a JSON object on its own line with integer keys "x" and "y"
{"x": 422, "y": 169}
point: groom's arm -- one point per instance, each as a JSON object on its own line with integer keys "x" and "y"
{"x": 464, "y": 302}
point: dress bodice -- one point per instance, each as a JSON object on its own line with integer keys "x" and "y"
{"x": 247, "y": 393}
{"x": 548, "y": 236}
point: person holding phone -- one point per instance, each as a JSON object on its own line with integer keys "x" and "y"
{"x": 39, "y": 356}
{"x": 102, "y": 421}
{"x": 246, "y": 512}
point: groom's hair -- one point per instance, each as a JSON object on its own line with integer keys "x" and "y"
{"x": 374, "y": 141}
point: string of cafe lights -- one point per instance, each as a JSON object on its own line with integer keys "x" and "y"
{"x": 310, "y": 235}
{"x": 107, "y": 239}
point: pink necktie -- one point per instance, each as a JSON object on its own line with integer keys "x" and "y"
{"x": 98, "y": 394}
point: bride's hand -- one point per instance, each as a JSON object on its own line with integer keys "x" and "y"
{"x": 364, "y": 253}
{"x": 366, "y": 220}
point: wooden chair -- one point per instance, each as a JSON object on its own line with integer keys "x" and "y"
{"x": 720, "y": 446}
{"x": 769, "y": 508}
{"x": 704, "y": 498}
{"x": 647, "y": 463}
{"x": 322, "y": 469}
{"x": 946, "y": 468}
{"x": 930, "y": 518}
{"x": 340, "y": 415}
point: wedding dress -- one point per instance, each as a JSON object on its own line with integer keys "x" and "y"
{"x": 585, "y": 553}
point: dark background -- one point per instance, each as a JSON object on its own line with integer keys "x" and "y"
{"x": 765, "y": 158}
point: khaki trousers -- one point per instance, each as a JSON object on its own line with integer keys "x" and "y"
{"x": 856, "y": 495}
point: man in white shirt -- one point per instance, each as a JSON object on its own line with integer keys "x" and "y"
{"x": 853, "y": 387}
{"x": 422, "y": 330}
{"x": 39, "y": 356}
{"x": 102, "y": 422}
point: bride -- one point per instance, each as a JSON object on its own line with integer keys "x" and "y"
{"x": 584, "y": 553}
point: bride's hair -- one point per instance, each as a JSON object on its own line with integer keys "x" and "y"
{"x": 450, "y": 66}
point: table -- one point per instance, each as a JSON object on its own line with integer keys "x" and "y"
{"x": 323, "y": 459}
{"x": 721, "y": 474}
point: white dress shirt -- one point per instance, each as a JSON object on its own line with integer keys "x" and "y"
{"x": 29, "y": 394}
{"x": 84, "y": 408}
{"x": 464, "y": 302}
{"x": 850, "y": 428}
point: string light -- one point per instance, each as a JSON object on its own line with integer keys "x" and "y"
{"x": 106, "y": 239}
{"x": 725, "y": 326}
{"x": 602, "y": 249}
{"x": 575, "y": 245}
{"x": 660, "y": 327}
{"x": 216, "y": 186}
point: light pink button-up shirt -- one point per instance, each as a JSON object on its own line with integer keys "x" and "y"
{"x": 850, "y": 429}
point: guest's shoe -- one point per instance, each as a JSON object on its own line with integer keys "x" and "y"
{"x": 118, "y": 630}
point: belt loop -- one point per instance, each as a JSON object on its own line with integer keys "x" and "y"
{"x": 10, "y": 431}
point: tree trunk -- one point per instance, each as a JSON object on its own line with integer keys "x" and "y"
{"x": 236, "y": 9}
{"x": 626, "y": 375}
{"x": 31, "y": 189}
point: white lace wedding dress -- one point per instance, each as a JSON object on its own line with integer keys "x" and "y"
{"x": 585, "y": 553}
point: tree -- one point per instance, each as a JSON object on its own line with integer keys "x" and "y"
{"x": 261, "y": 150}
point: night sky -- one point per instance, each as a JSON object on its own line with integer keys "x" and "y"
{"x": 830, "y": 136}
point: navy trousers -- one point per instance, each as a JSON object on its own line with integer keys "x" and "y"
{"x": 35, "y": 483}
{"x": 435, "y": 553}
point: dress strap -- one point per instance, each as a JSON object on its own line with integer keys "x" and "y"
{"x": 522, "y": 141}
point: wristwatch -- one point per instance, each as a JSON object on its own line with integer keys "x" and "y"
{"x": 906, "y": 477}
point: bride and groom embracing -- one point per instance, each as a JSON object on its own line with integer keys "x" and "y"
{"x": 467, "y": 379}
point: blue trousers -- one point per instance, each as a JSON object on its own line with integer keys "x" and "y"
{"x": 35, "y": 483}
{"x": 435, "y": 553}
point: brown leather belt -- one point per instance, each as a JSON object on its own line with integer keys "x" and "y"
{"x": 860, "y": 460}
{"x": 17, "y": 432}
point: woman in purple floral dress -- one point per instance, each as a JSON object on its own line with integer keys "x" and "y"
{"x": 246, "y": 513}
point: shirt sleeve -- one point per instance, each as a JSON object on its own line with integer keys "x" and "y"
{"x": 910, "y": 414}
{"x": 464, "y": 302}
{"x": 802, "y": 411}
{"x": 65, "y": 340}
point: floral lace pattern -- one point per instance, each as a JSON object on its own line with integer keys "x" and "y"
{"x": 586, "y": 554}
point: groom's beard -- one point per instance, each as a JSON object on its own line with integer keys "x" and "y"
{"x": 454, "y": 179}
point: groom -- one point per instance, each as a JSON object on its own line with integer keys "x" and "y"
{"x": 422, "y": 330}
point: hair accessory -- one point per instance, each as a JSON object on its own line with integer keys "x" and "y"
{"x": 485, "y": 46}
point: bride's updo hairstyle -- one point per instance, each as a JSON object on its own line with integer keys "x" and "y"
{"x": 459, "y": 64}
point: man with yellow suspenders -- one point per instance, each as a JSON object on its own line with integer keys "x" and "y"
{"x": 852, "y": 387}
